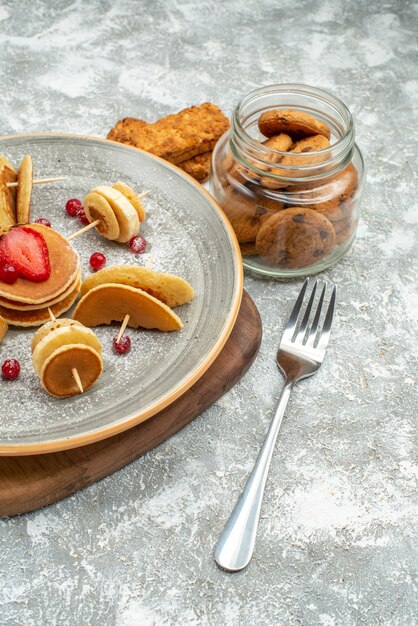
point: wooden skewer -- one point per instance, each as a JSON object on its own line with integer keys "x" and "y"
{"x": 77, "y": 379}
{"x": 83, "y": 230}
{"x": 51, "y": 315}
{"x": 149, "y": 263}
{"x": 123, "y": 327}
{"x": 143, "y": 194}
{"x": 40, "y": 181}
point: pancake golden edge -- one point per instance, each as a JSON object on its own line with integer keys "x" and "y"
{"x": 56, "y": 373}
{"x": 65, "y": 264}
{"x": 110, "y": 302}
{"x": 49, "y": 327}
{"x": 66, "y": 335}
{"x": 24, "y": 190}
{"x": 98, "y": 208}
{"x": 8, "y": 195}
{"x": 39, "y": 316}
{"x": 133, "y": 198}
{"x": 168, "y": 288}
{"x": 125, "y": 213}
{"x": 23, "y": 306}
{"x": 4, "y": 327}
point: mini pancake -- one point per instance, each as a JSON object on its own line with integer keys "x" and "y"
{"x": 170, "y": 289}
{"x": 40, "y": 316}
{"x": 98, "y": 208}
{"x": 49, "y": 327}
{"x": 124, "y": 211}
{"x": 24, "y": 190}
{"x": 8, "y": 174}
{"x": 66, "y": 335}
{"x": 111, "y": 302}
{"x": 56, "y": 374}
{"x": 132, "y": 197}
{"x": 65, "y": 265}
{"x": 22, "y": 306}
{"x": 4, "y": 327}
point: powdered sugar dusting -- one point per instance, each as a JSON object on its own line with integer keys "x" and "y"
{"x": 176, "y": 244}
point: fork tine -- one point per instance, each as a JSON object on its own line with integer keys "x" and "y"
{"x": 305, "y": 320}
{"x": 314, "y": 327}
{"x": 326, "y": 329}
{"x": 291, "y": 324}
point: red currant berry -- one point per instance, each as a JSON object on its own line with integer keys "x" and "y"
{"x": 73, "y": 207}
{"x": 11, "y": 368}
{"x": 44, "y": 221}
{"x": 83, "y": 217}
{"x": 123, "y": 345}
{"x": 8, "y": 273}
{"x": 138, "y": 244}
{"x": 97, "y": 261}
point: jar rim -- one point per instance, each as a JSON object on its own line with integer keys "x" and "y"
{"x": 340, "y": 146}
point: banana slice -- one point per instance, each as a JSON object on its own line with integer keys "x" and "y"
{"x": 49, "y": 327}
{"x": 111, "y": 302}
{"x": 66, "y": 335}
{"x": 57, "y": 370}
{"x": 98, "y": 208}
{"x": 169, "y": 288}
{"x": 24, "y": 190}
{"x": 133, "y": 198}
{"x": 4, "y": 327}
{"x": 7, "y": 194}
{"x": 125, "y": 213}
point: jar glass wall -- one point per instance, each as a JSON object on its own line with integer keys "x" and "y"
{"x": 289, "y": 177}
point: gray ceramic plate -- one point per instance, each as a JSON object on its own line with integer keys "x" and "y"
{"x": 187, "y": 235}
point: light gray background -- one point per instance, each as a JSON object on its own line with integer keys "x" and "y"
{"x": 337, "y": 539}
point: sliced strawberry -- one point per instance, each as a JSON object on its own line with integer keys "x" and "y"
{"x": 27, "y": 251}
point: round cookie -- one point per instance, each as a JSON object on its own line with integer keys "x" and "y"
{"x": 247, "y": 214}
{"x": 295, "y": 123}
{"x": 344, "y": 184}
{"x": 281, "y": 142}
{"x": 295, "y": 237}
{"x": 248, "y": 249}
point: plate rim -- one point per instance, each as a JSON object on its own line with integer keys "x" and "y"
{"x": 76, "y": 441}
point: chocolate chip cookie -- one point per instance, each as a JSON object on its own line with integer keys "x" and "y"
{"x": 247, "y": 213}
{"x": 294, "y": 238}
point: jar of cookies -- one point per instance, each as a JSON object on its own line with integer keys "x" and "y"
{"x": 289, "y": 177}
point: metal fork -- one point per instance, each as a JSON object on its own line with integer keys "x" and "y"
{"x": 300, "y": 354}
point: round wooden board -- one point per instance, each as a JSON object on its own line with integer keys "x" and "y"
{"x": 31, "y": 482}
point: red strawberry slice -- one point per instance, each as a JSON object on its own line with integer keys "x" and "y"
{"x": 27, "y": 251}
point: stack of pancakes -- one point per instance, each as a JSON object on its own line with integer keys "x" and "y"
{"x": 25, "y": 303}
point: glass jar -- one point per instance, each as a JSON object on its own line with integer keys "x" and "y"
{"x": 292, "y": 195}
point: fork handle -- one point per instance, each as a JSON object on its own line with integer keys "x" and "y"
{"x": 236, "y": 544}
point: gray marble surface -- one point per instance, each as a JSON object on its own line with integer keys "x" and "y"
{"x": 337, "y": 539}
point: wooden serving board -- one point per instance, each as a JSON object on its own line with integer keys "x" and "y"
{"x": 31, "y": 482}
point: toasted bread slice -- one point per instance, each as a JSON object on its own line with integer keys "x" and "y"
{"x": 177, "y": 137}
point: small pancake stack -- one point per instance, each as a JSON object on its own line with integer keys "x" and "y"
{"x": 25, "y": 303}
{"x": 67, "y": 357}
